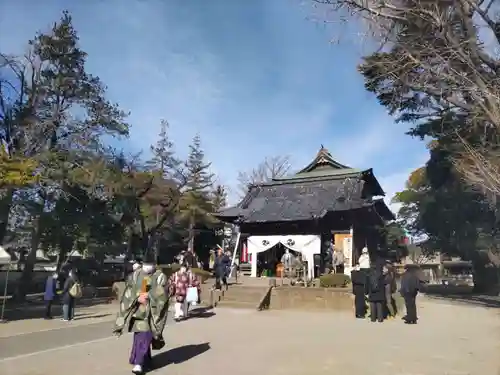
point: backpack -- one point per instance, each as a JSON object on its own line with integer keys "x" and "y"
{"x": 75, "y": 291}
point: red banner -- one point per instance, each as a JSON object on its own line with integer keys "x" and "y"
{"x": 244, "y": 253}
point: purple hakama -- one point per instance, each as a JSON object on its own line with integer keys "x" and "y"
{"x": 141, "y": 349}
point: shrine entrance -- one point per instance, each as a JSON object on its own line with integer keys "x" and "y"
{"x": 306, "y": 245}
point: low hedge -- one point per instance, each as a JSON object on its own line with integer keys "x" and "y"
{"x": 334, "y": 280}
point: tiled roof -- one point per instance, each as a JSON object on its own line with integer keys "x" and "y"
{"x": 323, "y": 186}
{"x": 292, "y": 202}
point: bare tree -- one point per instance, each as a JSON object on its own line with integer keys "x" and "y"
{"x": 269, "y": 168}
{"x": 437, "y": 67}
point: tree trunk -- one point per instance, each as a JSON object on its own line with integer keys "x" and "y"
{"x": 128, "y": 252}
{"x": 65, "y": 247}
{"x": 25, "y": 281}
{"x": 5, "y": 207}
{"x": 191, "y": 233}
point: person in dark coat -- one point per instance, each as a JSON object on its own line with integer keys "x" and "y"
{"x": 190, "y": 259}
{"x": 390, "y": 289}
{"x": 67, "y": 299}
{"x": 50, "y": 294}
{"x": 358, "y": 279}
{"x": 375, "y": 289}
{"x": 221, "y": 264}
{"x": 410, "y": 286}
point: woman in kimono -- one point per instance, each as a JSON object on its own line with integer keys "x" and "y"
{"x": 143, "y": 311}
{"x": 179, "y": 283}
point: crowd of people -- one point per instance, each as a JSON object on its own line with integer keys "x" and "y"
{"x": 374, "y": 285}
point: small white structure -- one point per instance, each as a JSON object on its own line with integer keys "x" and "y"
{"x": 4, "y": 256}
{"x": 307, "y": 245}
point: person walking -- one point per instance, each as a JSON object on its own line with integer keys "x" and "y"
{"x": 69, "y": 295}
{"x": 390, "y": 288}
{"x": 410, "y": 286}
{"x": 221, "y": 264}
{"x": 358, "y": 279}
{"x": 190, "y": 259}
{"x": 143, "y": 311}
{"x": 375, "y": 289}
{"x": 180, "y": 282}
{"x": 50, "y": 294}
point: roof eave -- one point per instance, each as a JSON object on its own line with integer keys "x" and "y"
{"x": 382, "y": 210}
{"x": 371, "y": 179}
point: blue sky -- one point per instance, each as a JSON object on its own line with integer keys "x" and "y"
{"x": 255, "y": 78}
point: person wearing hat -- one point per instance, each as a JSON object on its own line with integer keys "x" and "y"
{"x": 364, "y": 259}
{"x": 410, "y": 286}
{"x": 136, "y": 269}
{"x": 143, "y": 311}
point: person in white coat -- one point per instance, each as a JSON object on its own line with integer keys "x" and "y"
{"x": 364, "y": 259}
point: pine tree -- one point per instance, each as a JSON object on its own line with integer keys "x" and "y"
{"x": 196, "y": 204}
{"x": 164, "y": 159}
{"x": 199, "y": 178}
{"x": 60, "y": 120}
{"x": 219, "y": 198}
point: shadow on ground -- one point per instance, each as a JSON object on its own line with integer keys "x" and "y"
{"x": 37, "y": 310}
{"x": 179, "y": 355}
{"x": 201, "y": 313}
{"x": 472, "y": 299}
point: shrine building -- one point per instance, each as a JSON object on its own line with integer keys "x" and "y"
{"x": 325, "y": 203}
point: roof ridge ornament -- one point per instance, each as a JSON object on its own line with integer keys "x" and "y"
{"x": 323, "y": 157}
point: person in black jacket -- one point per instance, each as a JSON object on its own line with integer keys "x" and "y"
{"x": 67, "y": 299}
{"x": 410, "y": 286}
{"x": 375, "y": 288}
{"x": 190, "y": 259}
{"x": 221, "y": 264}
{"x": 358, "y": 279}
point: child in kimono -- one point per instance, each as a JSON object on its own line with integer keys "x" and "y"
{"x": 180, "y": 282}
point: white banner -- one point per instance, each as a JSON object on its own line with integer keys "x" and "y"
{"x": 307, "y": 245}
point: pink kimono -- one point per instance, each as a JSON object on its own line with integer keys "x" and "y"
{"x": 180, "y": 282}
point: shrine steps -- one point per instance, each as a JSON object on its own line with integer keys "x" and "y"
{"x": 239, "y": 296}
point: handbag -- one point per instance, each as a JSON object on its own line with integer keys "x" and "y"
{"x": 158, "y": 343}
{"x": 192, "y": 295}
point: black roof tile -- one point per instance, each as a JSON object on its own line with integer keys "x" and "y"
{"x": 291, "y": 202}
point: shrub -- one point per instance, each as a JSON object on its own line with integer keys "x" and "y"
{"x": 334, "y": 280}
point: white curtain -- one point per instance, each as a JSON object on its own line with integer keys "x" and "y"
{"x": 258, "y": 244}
{"x": 308, "y": 245}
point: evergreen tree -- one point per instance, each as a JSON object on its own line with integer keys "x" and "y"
{"x": 219, "y": 198}
{"x": 196, "y": 204}
{"x": 54, "y": 87}
{"x": 164, "y": 159}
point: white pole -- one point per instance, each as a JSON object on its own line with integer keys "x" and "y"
{"x": 234, "y": 253}
{"x": 5, "y": 293}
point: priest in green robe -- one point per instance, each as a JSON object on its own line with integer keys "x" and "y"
{"x": 143, "y": 311}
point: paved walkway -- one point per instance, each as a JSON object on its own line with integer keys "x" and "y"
{"x": 83, "y": 316}
{"x": 450, "y": 339}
